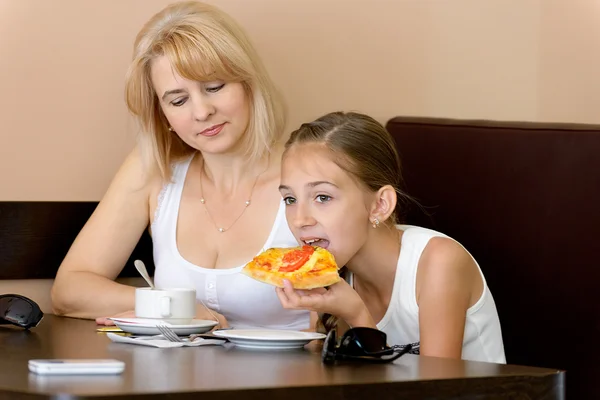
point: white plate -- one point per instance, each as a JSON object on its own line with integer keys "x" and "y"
{"x": 142, "y": 326}
{"x": 268, "y": 338}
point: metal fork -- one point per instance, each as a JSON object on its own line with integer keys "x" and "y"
{"x": 171, "y": 336}
{"x": 168, "y": 333}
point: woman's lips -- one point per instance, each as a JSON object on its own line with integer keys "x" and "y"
{"x": 213, "y": 130}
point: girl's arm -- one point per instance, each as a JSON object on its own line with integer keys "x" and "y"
{"x": 84, "y": 286}
{"x": 448, "y": 283}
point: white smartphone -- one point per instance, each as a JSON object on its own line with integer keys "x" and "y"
{"x": 76, "y": 367}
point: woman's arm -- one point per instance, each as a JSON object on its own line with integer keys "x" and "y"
{"x": 448, "y": 283}
{"x": 84, "y": 286}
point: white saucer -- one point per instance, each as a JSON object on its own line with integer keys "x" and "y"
{"x": 273, "y": 339}
{"x": 143, "y": 326}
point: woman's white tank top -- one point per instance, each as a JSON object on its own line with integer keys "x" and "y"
{"x": 245, "y": 302}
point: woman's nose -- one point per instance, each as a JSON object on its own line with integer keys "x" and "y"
{"x": 203, "y": 108}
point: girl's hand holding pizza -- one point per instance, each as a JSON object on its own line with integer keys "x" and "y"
{"x": 314, "y": 273}
{"x": 338, "y": 299}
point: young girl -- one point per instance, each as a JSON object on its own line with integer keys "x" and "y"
{"x": 341, "y": 183}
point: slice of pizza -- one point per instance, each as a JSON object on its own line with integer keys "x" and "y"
{"x": 306, "y": 267}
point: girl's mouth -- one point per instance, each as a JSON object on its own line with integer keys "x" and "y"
{"x": 324, "y": 243}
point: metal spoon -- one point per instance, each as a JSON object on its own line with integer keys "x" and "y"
{"x": 139, "y": 265}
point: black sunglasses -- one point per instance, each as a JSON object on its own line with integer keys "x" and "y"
{"x": 20, "y": 311}
{"x": 361, "y": 344}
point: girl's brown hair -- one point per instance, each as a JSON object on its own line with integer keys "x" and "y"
{"x": 364, "y": 148}
{"x": 202, "y": 43}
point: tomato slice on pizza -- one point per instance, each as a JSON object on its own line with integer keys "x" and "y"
{"x": 306, "y": 267}
{"x": 296, "y": 258}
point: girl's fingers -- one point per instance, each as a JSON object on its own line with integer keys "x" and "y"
{"x": 289, "y": 291}
{"x": 282, "y": 297}
{"x": 300, "y": 299}
{"x": 291, "y": 298}
{"x": 288, "y": 298}
{"x": 318, "y": 291}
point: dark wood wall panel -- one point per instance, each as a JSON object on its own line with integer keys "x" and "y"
{"x": 524, "y": 199}
{"x": 35, "y": 237}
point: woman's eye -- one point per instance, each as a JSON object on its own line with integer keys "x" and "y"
{"x": 179, "y": 102}
{"x": 214, "y": 89}
{"x": 323, "y": 198}
{"x": 289, "y": 200}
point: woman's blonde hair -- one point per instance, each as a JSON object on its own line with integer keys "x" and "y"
{"x": 202, "y": 43}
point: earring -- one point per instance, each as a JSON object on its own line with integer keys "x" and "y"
{"x": 171, "y": 129}
{"x": 375, "y": 223}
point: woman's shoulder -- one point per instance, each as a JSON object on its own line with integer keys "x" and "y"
{"x": 142, "y": 167}
{"x": 136, "y": 174}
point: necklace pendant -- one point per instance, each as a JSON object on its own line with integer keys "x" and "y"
{"x": 247, "y": 203}
{"x": 202, "y": 200}
{"x": 221, "y": 230}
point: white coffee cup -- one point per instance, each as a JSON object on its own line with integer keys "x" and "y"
{"x": 175, "y": 306}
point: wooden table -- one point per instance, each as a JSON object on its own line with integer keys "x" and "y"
{"x": 217, "y": 372}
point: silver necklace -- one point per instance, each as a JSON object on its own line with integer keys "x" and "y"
{"x": 247, "y": 203}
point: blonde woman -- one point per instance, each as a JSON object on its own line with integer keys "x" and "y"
{"x": 204, "y": 178}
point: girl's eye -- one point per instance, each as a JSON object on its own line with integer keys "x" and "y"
{"x": 323, "y": 198}
{"x": 179, "y": 102}
{"x": 215, "y": 89}
{"x": 289, "y": 200}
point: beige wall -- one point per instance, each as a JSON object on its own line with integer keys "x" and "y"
{"x": 65, "y": 129}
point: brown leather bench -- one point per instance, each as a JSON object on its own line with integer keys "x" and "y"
{"x": 524, "y": 199}
{"x": 36, "y": 235}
